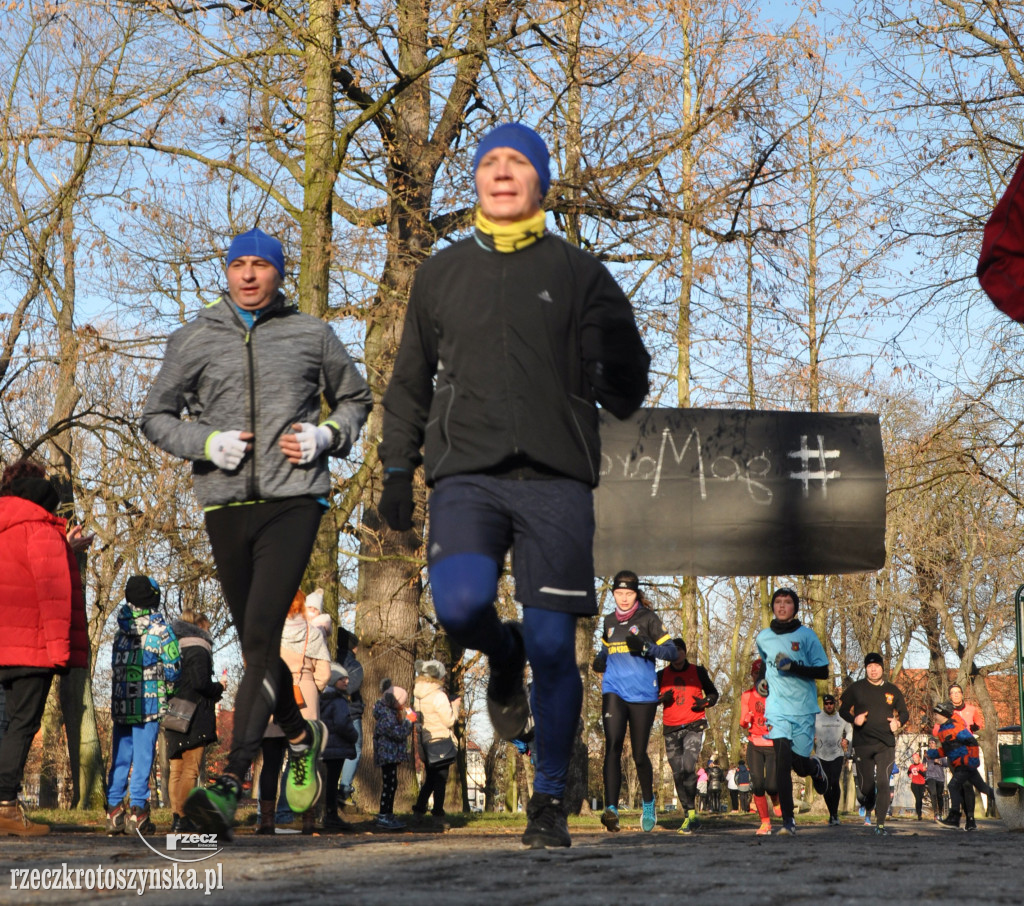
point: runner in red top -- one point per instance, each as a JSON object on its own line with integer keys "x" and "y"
{"x": 686, "y": 691}
{"x": 917, "y": 770}
{"x": 760, "y": 752}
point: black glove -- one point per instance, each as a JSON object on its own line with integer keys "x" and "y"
{"x": 700, "y": 703}
{"x": 668, "y": 697}
{"x": 637, "y": 645}
{"x": 395, "y": 503}
{"x": 599, "y": 665}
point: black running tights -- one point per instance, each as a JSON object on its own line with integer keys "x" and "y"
{"x": 639, "y": 716}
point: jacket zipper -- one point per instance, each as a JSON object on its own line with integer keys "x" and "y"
{"x": 253, "y": 495}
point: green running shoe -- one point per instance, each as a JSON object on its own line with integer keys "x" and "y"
{"x": 212, "y": 808}
{"x": 690, "y": 823}
{"x": 648, "y": 818}
{"x": 303, "y": 786}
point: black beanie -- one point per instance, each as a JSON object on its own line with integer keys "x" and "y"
{"x": 142, "y": 593}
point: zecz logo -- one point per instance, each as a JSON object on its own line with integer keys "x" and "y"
{"x": 207, "y": 844}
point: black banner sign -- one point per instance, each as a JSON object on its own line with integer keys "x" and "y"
{"x": 736, "y": 492}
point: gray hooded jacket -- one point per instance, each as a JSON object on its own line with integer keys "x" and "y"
{"x": 264, "y": 379}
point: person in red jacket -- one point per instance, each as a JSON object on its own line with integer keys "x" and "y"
{"x": 686, "y": 692}
{"x": 42, "y": 620}
{"x": 969, "y": 712}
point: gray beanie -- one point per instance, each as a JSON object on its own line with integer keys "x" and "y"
{"x": 337, "y": 672}
{"x": 431, "y": 668}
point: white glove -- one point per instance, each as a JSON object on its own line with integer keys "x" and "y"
{"x": 226, "y": 449}
{"x": 312, "y": 441}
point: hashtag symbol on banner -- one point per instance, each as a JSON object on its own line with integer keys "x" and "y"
{"x": 819, "y": 457}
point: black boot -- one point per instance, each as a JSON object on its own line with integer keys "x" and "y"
{"x": 545, "y": 822}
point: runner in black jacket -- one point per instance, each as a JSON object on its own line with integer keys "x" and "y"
{"x": 510, "y": 338}
{"x": 876, "y": 709}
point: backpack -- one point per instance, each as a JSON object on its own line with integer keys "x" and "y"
{"x": 743, "y": 778}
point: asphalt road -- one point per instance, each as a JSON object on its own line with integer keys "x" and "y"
{"x": 726, "y": 863}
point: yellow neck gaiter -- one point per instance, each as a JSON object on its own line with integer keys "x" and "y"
{"x": 510, "y": 238}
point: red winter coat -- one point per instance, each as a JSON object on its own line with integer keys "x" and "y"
{"x": 1001, "y": 263}
{"x": 42, "y": 609}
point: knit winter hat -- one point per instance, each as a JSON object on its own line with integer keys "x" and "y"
{"x": 945, "y": 708}
{"x": 396, "y": 692}
{"x": 142, "y": 593}
{"x": 434, "y": 669}
{"x": 401, "y": 696}
{"x": 315, "y": 599}
{"x": 873, "y": 657}
{"x": 522, "y": 139}
{"x": 260, "y": 245}
{"x": 337, "y": 672}
{"x": 780, "y": 592}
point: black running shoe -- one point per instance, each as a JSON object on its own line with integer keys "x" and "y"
{"x": 867, "y": 802}
{"x": 970, "y": 824}
{"x": 507, "y": 703}
{"x": 545, "y": 823}
{"x": 818, "y": 777}
{"x": 951, "y": 820}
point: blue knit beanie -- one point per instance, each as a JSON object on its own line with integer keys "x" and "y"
{"x": 260, "y": 245}
{"x": 522, "y": 139}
